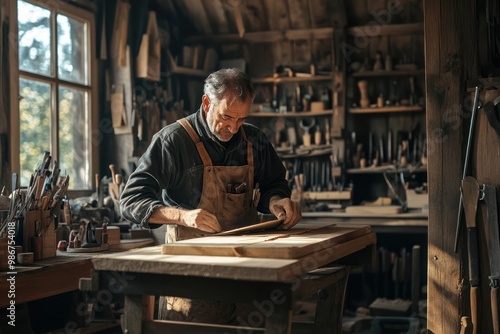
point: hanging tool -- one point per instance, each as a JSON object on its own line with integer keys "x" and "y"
{"x": 465, "y": 170}
{"x": 471, "y": 192}
{"x": 493, "y": 244}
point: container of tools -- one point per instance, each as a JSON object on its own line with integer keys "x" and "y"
{"x": 36, "y": 208}
{"x": 39, "y": 233}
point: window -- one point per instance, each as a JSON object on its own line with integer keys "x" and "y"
{"x": 55, "y": 89}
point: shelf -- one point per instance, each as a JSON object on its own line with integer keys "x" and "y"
{"x": 292, "y": 114}
{"x": 386, "y": 168}
{"x": 376, "y": 110}
{"x": 174, "y": 69}
{"x": 367, "y": 31}
{"x": 306, "y": 152}
{"x": 316, "y": 78}
{"x": 383, "y": 73}
{"x": 410, "y": 218}
{"x": 326, "y": 195}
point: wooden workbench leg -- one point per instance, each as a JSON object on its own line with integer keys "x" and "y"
{"x": 280, "y": 322}
{"x": 330, "y": 307}
{"x": 148, "y": 307}
{"x": 132, "y": 314}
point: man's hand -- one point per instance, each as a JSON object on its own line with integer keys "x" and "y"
{"x": 285, "y": 208}
{"x": 201, "y": 220}
{"x": 198, "y": 218}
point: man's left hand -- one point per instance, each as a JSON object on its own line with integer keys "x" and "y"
{"x": 286, "y": 209}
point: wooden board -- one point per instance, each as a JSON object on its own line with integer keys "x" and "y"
{"x": 150, "y": 260}
{"x": 292, "y": 244}
{"x": 101, "y": 248}
{"x": 126, "y": 244}
{"x": 375, "y": 210}
{"x": 268, "y": 225}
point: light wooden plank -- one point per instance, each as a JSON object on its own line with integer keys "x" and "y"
{"x": 151, "y": 260}
{"x": 330, "y": 254}
{"x": 269, "y": 245}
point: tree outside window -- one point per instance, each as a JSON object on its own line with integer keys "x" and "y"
{"x": 54, "y": 90}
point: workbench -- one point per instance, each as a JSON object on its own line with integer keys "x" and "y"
{"x": 51, "y": 278}
{"x": 45, "y": 278}
{"x": 269, "y": 269}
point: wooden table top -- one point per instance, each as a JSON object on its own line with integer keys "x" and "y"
{"x": 54, "y": 275}
{"x": 265, "y": 256}
{"x": 44, "y": 278}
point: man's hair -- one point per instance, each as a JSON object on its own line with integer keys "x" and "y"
{"x": 229, "y": 83}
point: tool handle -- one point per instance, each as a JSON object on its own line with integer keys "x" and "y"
{"x": 465, "y": 325}
{"x": 113, "y": 172}
{"x": 473, "y": 256}
{"x": 495, "y": 309}
{"x": 474, "y": 307}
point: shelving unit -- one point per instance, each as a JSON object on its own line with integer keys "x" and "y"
{"x": 304, "y": 117}
{"x": 395, "y": 109}
{"x": 327, "y": 112}
{"x": 386, "y": 109}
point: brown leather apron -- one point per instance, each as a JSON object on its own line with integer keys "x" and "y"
{"x": 232, "y": 208}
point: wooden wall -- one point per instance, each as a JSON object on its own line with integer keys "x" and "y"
{"x": 452, "y": 40}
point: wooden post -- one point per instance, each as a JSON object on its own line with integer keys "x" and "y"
{"x": 450, "y": 60}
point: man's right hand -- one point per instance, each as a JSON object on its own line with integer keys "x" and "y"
{"x": 197, "y": 218}
{"x": 201, "y": 220}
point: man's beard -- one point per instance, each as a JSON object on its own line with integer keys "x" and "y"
{"x": 211, "y": 127}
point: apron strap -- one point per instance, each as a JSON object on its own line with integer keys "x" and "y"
{"x": 196, "y": 139}
{"x": 201, "y": 149}
{"x": 249, "y": 147}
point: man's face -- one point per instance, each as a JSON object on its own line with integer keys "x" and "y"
{"x": 226, "y": 118}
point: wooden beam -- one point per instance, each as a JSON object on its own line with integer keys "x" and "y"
{"x": 265, "y": 36}
{"x": 450, "y": 45}
{"x": 386, "y": 30}
{"x": 238, "y": 18}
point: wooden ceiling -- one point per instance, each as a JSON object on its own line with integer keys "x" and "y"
{"x": 228, "y": 17}
{"x": 301, "y": 31}
{"x": 218, "y": 17}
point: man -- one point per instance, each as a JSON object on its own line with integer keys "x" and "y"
{"x": 204, "y": 173}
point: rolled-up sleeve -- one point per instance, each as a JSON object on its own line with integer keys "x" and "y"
{"x": 143, "y": 191}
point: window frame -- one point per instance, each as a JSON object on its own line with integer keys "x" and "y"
{"x": 57, "y": 7}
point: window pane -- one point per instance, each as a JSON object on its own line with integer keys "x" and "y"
{"x": 34, "y": 114}
{"x": 34, "y": 38}
{"x": 72, "y": 50}
{"x": 74, "y": 155}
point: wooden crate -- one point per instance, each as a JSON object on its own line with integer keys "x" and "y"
{"x": 39, "y": 234}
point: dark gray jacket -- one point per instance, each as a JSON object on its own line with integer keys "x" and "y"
{"x": 170, "y": 173}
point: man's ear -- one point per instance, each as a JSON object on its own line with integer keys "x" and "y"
{"x": 205, "y": 103}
